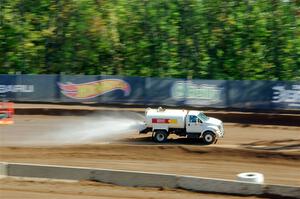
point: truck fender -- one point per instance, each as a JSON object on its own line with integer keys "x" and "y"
{"x": 212, "y": 129}
{"x": 164, "y": 128}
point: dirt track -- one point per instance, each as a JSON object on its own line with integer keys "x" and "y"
{"x": 271, "y": 150}
{"x": 12, "y": 188}
{"x": 271, "y": 117}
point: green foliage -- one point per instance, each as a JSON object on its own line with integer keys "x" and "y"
{"x": 207, "y": 39}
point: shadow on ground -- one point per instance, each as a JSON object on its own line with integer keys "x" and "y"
{"x": 275, "y": 145}
{"x": 170, "y": 141}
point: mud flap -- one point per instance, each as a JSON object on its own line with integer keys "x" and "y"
{"x": 216, "y": 141}
{"x": 145, "y": 131}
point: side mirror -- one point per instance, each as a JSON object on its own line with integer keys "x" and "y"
{"x": 198, "y": 121}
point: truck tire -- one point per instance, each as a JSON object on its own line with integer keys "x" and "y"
{"x": 160, "y": 136}
{"x": 209, "y": 137}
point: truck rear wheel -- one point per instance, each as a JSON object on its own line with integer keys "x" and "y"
{"x": 209, "y": 137}
{"x": 160, "y": 136}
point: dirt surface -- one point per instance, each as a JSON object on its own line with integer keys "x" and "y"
{"x": 242, "y": 116}
{"x": 15, "y": 188}
{"x": 33, "y": 127}
{"x": 271, "y": 150}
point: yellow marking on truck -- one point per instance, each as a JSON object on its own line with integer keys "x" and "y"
{"x": 172, "y": 121}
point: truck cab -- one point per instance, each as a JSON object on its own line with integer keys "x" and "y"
{"x": 199, "y": 125}
{"x": 193, "y": 122}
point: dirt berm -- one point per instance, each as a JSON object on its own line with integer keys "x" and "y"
{"x": 283, "y": 118}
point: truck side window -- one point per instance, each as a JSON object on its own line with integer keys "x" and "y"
{"x": 193, "y": 118}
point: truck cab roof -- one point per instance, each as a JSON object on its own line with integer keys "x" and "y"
{"x": 194, "y": 112}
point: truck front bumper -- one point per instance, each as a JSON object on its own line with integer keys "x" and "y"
{"x": 221, "y": 132}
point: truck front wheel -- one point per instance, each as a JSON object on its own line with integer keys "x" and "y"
{"x": 160, "y": 136}
{"x": 209, "y": 137}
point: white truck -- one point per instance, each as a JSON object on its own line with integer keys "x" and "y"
{"x": 191, "y": 124}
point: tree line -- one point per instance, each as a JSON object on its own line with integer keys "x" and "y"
{"x": 206, "y": 39}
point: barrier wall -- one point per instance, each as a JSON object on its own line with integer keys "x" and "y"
{"x": 151, "y": 91}
{"x": 145, "y": 179}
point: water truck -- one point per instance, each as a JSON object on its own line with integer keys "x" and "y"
{"x": 185, "y": 123}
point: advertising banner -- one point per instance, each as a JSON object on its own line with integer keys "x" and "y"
{"x": 285, "y": 95}
{"x": 208, "y": 93}
{"x": 37, "y": 88}
{"x": 9, "y": 87}
{"x": 108, "y": 89}
{"x": 264, "y": 94}
{"x": 159, "y": 91}
{"x": 250, "y": 94}
{"x": 151, "y": 91}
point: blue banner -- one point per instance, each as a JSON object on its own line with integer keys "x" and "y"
{"x": 151, "y": 91}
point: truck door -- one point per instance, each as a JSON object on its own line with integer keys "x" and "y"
{"x": 193, "y": 124}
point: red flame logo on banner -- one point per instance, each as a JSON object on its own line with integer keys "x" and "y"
{"x": 93, "y": 89}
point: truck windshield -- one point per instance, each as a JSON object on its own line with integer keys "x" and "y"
{"x": 203, "y": 117}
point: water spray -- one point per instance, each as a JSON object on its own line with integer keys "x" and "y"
{"x": 106, "y": 127}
